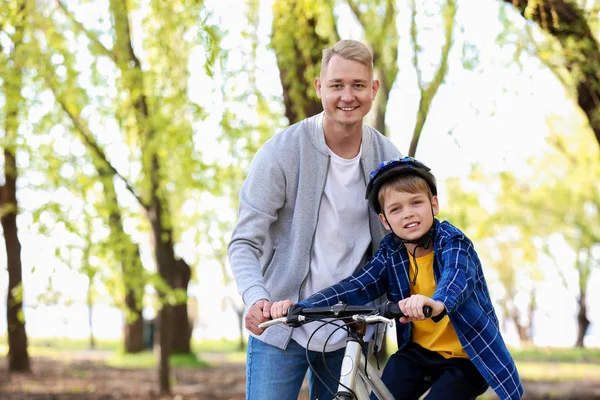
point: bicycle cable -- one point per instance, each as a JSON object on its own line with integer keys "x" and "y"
{"x": 355, "y": 336}
{"x": 323, "y": 352}
{"x": 332, "y": 322}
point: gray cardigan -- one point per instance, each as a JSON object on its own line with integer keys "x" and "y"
{"x": 271, "y": 246}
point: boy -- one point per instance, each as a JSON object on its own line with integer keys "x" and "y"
{"x": 423, "y": 262}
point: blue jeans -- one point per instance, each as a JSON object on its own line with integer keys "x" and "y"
{"x": 275, "y": 374}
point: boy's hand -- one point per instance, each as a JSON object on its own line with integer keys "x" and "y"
{"x": 280, "y": 308}
{"x": 412, "y": 307}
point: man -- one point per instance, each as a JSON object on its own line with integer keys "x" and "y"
{"x": 304, "y": 224}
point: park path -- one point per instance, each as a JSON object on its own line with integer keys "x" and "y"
{"x": 84, "y": 375}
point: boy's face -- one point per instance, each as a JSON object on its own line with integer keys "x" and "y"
{"x": 408, "y": 214}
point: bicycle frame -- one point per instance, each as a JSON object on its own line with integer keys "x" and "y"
{"x": 360, "y": 376}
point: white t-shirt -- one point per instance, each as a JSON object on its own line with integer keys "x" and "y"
{"x": 341, "y": 239}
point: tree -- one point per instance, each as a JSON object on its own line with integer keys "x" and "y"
{"x": 153, "y": 112}
{"x": 12, "y": 84}
{"x": 513, "y": 253}
{"x": 378, "y": 19}
{"x": 557, "y": 199}
{"x": 119, "y": 246}
{"x": 301, "y": 30}
{"x": 570, "y": 199}
{"x": 571, "y": 25}
{"x": 503, "y": 241}
{"x": 429, "y": 90}
{"x": 251, "y": 116}
{"x": 299, "y": 59}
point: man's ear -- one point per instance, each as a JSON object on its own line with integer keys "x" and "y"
{"x": 384, "y": 221}
{"x": 375, "y": 87}
{"x": 435, "y": 206}
{"x": 318, "y": 87}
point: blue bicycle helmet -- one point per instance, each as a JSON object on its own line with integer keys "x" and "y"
{"x": 393, "y": 168}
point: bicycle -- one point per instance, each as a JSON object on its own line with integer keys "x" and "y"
{"x": 357, "y": 376}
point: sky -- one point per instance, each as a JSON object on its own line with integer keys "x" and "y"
{"x": 495, "y": 115}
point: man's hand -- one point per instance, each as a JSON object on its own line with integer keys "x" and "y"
{"x": 280, "y": 308}
{"x": 257, "y": 314}
{"x": 412, "y": 307}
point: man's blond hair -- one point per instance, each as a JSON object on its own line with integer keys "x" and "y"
{"x": 349, "y": 50}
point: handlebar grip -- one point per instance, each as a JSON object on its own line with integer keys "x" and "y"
{"x": 391, "y": 310}
{"x": 271, "y": 322}
{"x": 427, "y": 311}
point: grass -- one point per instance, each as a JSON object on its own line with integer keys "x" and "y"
{"x": 558, "y": 364}
{"x": 534, "y": 363}
{"x": 204, "y": 353}
{"x": 217, "y": 346}
{"x": 147, "y": 359}
{"x": 66, "y": 344}
{"x": 220, "y": 351}
{"x": 558, "y": 371}
{"x": 551, "y": 354}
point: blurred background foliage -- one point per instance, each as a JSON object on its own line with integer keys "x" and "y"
{"x": 127, "y": 127}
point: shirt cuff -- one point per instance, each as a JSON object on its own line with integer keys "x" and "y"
{"x": 254, "y": 294}
{"x": 439, "y": 317}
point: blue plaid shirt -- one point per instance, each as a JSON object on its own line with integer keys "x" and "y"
{"x": 462, "y": 288}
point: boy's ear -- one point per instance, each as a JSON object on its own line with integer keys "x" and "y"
{"x": 435, "y": 206}
{"x": 384, "y": 221}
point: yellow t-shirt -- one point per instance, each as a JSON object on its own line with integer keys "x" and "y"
{"x": 441, "y": 336}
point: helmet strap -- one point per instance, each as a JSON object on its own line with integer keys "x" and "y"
{"x": 424, "y": 241}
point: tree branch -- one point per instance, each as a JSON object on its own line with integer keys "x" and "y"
{"x": 428, "y": 91}
{"x": 415, "y": 44}
{"x": 93, "y": 38}
{"x": 84, "y": 131}
{"x": 356, "y": 11}
{"x": 554, "y": 68}
{"x": 90, "y": 142}
{"x": 568, "y": 24}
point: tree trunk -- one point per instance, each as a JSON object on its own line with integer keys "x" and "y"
{"x": 295, "y": 112}
{"x": 583, "y": 322}
{"x": 155, "y": 196}
{"x": 164, "y": 369}
{"x": 128, "y": 254}
{"x": 240, "y": 315}
{"x": 165, "y": 261}
{"x": 133, "y": 330}
{"x": 382, "y": 37}
{"x": 530, "y": 312}
{"x": 90, "y": 304}
{"x": 18, "y": 357}
{"x": 429, "y": 90}
{"x": 182, "y": 328}
{"x": 522, "y": 330}
{"x": 380, "y": 109}
{"x": 298, "y": 60}
{"x": 564, "y": 20}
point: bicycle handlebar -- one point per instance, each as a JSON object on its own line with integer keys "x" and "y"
{"x": 370, "y": 314}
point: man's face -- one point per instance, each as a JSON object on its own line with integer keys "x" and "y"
{"x": 347, "y": 90}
